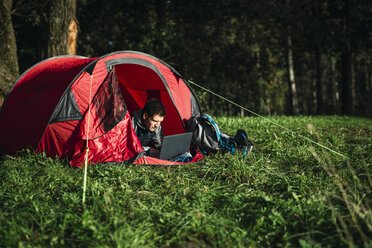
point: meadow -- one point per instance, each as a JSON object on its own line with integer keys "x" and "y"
{"x": 289, "y": 193}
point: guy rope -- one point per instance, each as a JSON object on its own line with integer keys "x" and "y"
{"x": 87, "y": 146}
{"x": 273, "y": 122}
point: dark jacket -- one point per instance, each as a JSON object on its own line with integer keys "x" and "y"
{"x": 144, "y": 135}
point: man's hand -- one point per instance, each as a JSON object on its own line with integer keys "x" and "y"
{"x": 154, "y": 153}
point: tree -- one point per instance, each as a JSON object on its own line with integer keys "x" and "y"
{"x": 44, "y": 29}
{"x": 236, "y": 48}
{"x": 318, "y": 56}
{"x": 346, "y": 62}
{"x": 63, "y": 28}
{"x": 293, "y": 104}
{"x": 291, "y": 75}
{"x": 8, "y": 49}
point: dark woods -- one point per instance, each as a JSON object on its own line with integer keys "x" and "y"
{"x": 273, "y": 57}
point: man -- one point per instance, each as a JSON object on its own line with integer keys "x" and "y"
{"x": 147, "y": 125}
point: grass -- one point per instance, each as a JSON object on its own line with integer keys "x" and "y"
{"x": 291, "y": 193}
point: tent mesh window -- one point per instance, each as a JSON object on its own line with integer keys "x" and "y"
{"x": 109, "y": 102}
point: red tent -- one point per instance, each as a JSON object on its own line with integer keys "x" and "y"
{"x": 48, "y": 109}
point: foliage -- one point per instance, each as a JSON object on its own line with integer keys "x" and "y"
{"x": 289, "y": 193}
{"x": 235, "y": 48}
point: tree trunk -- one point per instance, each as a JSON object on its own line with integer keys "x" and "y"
{"x": 160, "y": 22}
{"x": 353, "y": 86}
{"x": 346, "y": 64}
{"x": 367, "y": 88}
{"x": 318, "y": 59}
{"x": 333, "y": 92}
{"x": 8, "y": 50}
{"x": 319, "y": 84}
{"x": 63, "y": 28}
{"x": 291, "y": 76}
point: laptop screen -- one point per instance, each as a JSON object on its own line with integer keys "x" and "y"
{"x": 174, "y": 145}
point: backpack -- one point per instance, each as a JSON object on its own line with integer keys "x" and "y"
{"x": 209, "y": 139}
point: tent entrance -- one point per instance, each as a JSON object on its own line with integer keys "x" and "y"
{"x": 138, "y": 83}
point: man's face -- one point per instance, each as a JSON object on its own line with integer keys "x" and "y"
{"x": 152, "y": 122}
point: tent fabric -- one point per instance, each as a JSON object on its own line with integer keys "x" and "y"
{"x": 27, "y": 108}
{"x": 60, "y": 103}
{"x": 108, "y": 108}
{"x": 119, "y": 144}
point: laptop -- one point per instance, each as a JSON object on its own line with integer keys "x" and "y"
{"x": 174, "y": 145}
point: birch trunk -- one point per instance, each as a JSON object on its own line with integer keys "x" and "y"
{"x": 291, "y": 76}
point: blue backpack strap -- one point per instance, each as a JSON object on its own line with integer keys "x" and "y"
{"x": 246, "y": 147}
{"x": 224, "y": 142}
{"x": 214, "y": 125}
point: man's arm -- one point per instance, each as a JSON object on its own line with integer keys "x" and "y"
{"x": 158, "y": 139}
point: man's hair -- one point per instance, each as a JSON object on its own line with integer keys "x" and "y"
{"x": 154, "y": 107}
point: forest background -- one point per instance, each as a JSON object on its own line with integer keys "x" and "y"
{"x": 272, "y": 56}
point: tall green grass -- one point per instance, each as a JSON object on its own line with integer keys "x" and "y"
{"x": 290, "y": 193}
